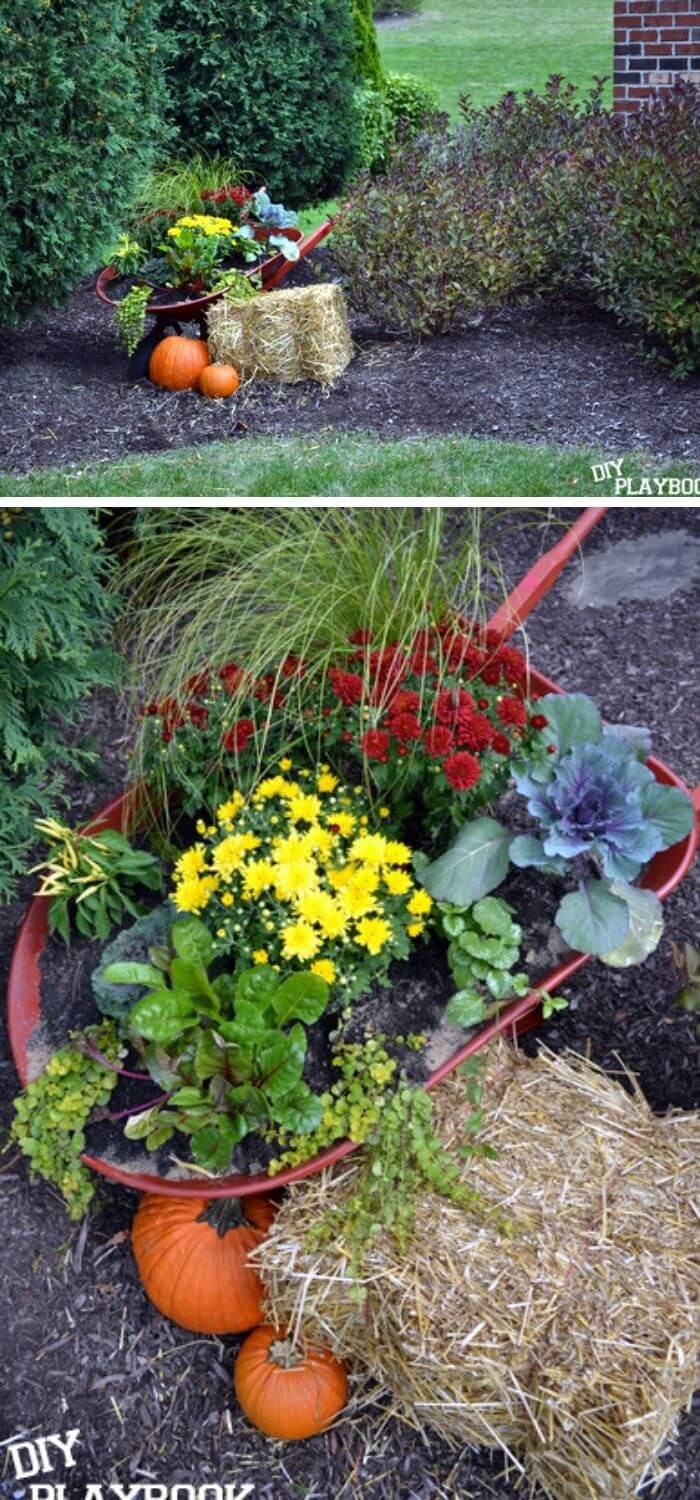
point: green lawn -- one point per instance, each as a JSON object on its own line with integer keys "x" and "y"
{"x": 471, "y": 47}
{"x": 334, "y": 464}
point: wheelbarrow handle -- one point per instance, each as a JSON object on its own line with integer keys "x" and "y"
{"x": 540, "y": 578}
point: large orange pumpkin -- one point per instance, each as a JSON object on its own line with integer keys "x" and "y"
{"x": 192, "y": 1257}
{"x": 285, "y": 1393}
{"x": 219, "y": 380}
{"x": 177, "y": 362}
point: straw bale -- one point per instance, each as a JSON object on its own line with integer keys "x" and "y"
{"x": 290, "y": 335}
{"x": 571, "y": 1346}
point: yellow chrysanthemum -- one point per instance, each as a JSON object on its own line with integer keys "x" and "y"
{"x": 326, "y": 781}
{"x": 285, "y": 763}
{"x": 415, "y": 929}
{"x": 227, "y": 899}
{"x": 384, "y": 812}
{"x": 258, "y": 876}
{"x": 356, "y": 903}
{"x": 397, "y": 853}
{"x": 228, "y": 856}
{"x": 420, "y": 904}
{"x": 259, "y": 956}
{"x": 398, "y": 882}
{"x": 325, "y": 969}
{"x": 320, "y": 842}
{"x": 193, "y": 894}
{"x": 304, "y": 807}
{"x": 227, "y": 811}
{"x": 320, "y": 908}
{"x": 273, "y": 786}
{"x": 344, "y": 822}
{"x": 192, "y": 862}
{"x": 299, "y": 940}
{"x": 370, "y": 848}
{"x": 363, "y": 878}
{"x": 373, "y": 933}
{"x": 294, "y": 878}
{"x": 296, "y": 845}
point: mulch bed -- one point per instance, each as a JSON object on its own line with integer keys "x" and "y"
{"x": 556, "y": 371}
{"x": 83, "y": 1348}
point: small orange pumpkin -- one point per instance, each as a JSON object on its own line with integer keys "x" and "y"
{"x": 177, "y": 362}
{"x": 285, "y": 1393}
{"x": 260, "y": 1209}
{"x": 192, "y": 1257}
{"x": 219, "y": 380}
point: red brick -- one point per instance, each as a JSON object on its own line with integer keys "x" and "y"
{"x": 643, "y": 36}
{"x": 621, "y": 36}
{"x": 686, "y": 49}
{"x": 640, "y": 93}
{"x": 643, "y": 7}
{"x": 679, "y": 34}
{"x": 663, "y": 49}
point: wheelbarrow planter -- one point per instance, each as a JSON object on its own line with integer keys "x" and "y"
{"x": 664, "y": 872}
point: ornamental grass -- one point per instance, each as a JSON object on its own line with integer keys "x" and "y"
{"x": 571, "y": 1346}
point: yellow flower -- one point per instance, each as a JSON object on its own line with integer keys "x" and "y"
{"x": 227, "y": 899}
{"x": 192, "y": 862}
{"x": 259, "y": 956}
{"x": 420, "y": 904}
{"x": 326, "y": 781}
{"x": 384, "y": 812}
{"x": 226, "y": 811}
{"x": 304, "y": 806}
{"x": 227, "y": 857}
{"x": 192, "y": 894}
{"x": 294, "y": 878}
{"x": 200, "y": 825}
{"x": 397, "y": 853}
{"x": 319, "y": 907}
{"x": 415, "y": 929}
{"x": 300, "y": 941}
{"x": 373, "y": 933}
{"x": 370, "y": 848}
{"x": 398, "y": 882}
{"x": 356, "y": 903}
{"x": 221, "y": 932}
{"x": 344, "y": 822}
{"x": 258, "y": 876}
{"x": 273, "y": 786}
{"x": 364, "y": 879}
{"x": 285, "y": 763}
{"x": 325, "y": 969}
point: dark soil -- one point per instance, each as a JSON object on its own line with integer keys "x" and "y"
{"x": 82, "y": 1346}
{"x": 556, "y": 371}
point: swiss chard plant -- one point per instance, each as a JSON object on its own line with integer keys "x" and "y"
{"x": 600, "y": 815}
{"x": 228, "y": 1051}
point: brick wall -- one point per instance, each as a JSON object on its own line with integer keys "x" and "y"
{"x": 655, "y": 42}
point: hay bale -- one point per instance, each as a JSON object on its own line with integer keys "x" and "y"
{"x": 572, "y": 1346}
{"x": 285, "y": 335}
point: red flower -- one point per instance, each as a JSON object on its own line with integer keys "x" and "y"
{"x": 375, "y": 744}
{"x": 197, "y": 684}
{"x": 500, "y": 743}
{"x": 360, "y": 638}
{"x": 423, "y": 664}
{"x": 473, "y": 731}
{"x": 405, "y": 702}
{"x": 511, "y": 711}
{"x": 492, "y": 672}
{"x": 232, "y": 676}
{"x": 538, "y": 721}
{"x": 220, "y": 195}
{"x": 462, "y": 770}
{"x": 149, "y": 709}
{"x": 346, "y": 737}
{"x": 465, "y": 702}
{"x": 239, "y": 195}
{"x": 444, "y": 706}
{"x": 292, "y": 666}
{"x": 238, "y": 736}
{"x": 405, "y": 726}
{"x": 438, "y": 740}
{"x": 513, "y": 664}
{"x": 347, "y": 686}
{"x": 197, "y": 714}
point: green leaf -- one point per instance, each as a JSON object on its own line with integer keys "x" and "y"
{"x": 209, "y": 1058}
{"x": 133, "y": 973}
{"x": 186, "y": 1098}
{"x": 160, "y": 1067}
{"x": 301, "y": 997}
{"x": 491, "y": 951}
{"x": 500, "y": 984}
{"x": 250, "y": 1017}
{"x": 257, "y": 985}
{"x": 670, "y": 811}
{"x": 453, "y": 924}
{"x": 475, "y": 864}
{"x": 159, "y": 1136}
{"x": 552, "y": 1003}
{"x": 192, "y": 941}
{"x": 646, "y": 925}
{"x": 162, "y": 1015}
{"x": 299, "y": 1110}
{"x": 187, "y": 975}
{"x": 493, "y": 916}
{"x": 278, "y": 1067}
{"x": 466, "y": 1008}
{"x": 140, "y": 1125}
{"x": 526, "y": 850}
{"x": 592, "y": 920}
{"x": 213, "y": 1144}
{"x": 573, "y": 718}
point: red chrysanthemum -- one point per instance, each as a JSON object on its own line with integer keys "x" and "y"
{"x": 197, "y": 714}
{"x": 473, "y": 731}
{"x": 236, "y": 738}
{"x": 500, "y": 743}
{"x": 197, "y": 684}
{"x": 347, "y": 686}
{"x": 513, "y": 664}
{"x": 406, "y": 701}
{"x": 491, "y": 672}
{"x": 511, "y": 711}
{"x": 232, "y": 676}
{"x": 360, "y": 638}
{"x": 438, "y": 740}
{"x": 292, "y": 666}
{"x": 462, "y": 770}
{"x": 538, "y": 721}
{"x": 375, "y": 744}
{"x": 444, "y": 706}
{"x": 405, "y": 726}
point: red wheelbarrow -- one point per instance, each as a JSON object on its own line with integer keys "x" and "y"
{"x": 662, "y": 875}
{"x": 173, "y": 314}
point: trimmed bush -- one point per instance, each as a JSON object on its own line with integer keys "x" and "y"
{"x": 403, "y": 106}
{"x": 272, "y": 82}
{"x": 368, "y": 67}
{"x": 396, "y": 7}
{"x": 81, "y": 105}
{"x": 54, "y": 617}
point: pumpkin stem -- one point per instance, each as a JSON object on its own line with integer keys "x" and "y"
{"x": 223, "y": 1214}
{"x": 282, "y": 1352}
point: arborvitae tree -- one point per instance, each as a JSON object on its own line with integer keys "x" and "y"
{"x": 269, "y": 83}
{"x": 81, "y": 110}
{"x": 368, "y": 66}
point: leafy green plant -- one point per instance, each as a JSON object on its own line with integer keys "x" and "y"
{"x": 52, "y": 1112}
{"x": 229, "y": 1051}
{"x": 397, "y": 109}
{"x": 55, "y": 618}
{"x": 278, "y": 78}
{"x": 130, "y": 316}
{"x": 237, "y": 286}
{"x": 81, "y": 113}
{"x": 602, "y": 815}
{"x": 91, "y": 877}
{"x": 484, "y": 945}
{"x": 367, "y": 62}
{"x": 126, "y": 256}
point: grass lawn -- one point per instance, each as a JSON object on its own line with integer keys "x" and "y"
{"x": 334, "y": 464}
{"x": 469, "y": 47}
